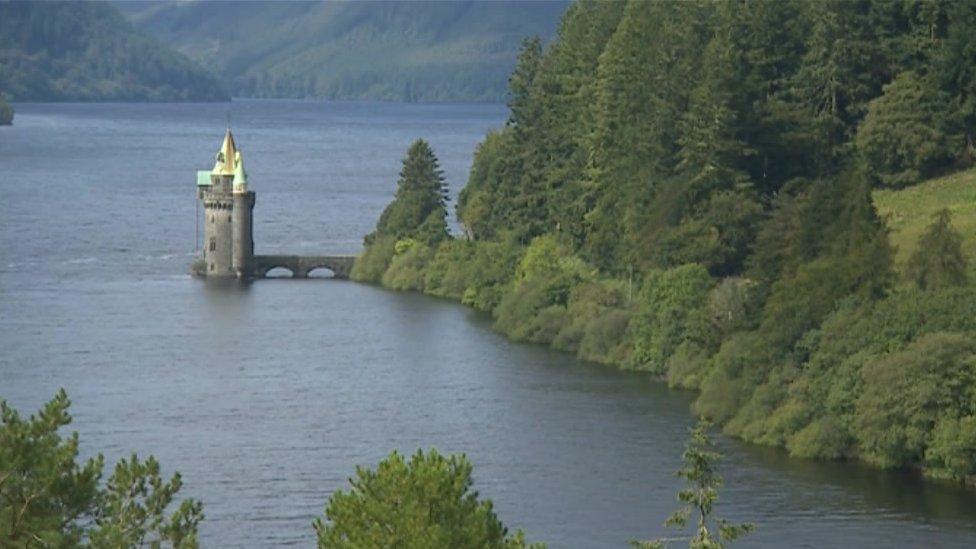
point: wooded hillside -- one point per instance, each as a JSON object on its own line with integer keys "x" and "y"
{"x": 685, "y": 188}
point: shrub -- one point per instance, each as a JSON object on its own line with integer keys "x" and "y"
{"x": 952, "y": 453}
{"x": 908, "y": 392}
{"x": 406, "y": 270}
{"x": 667, "y": 302}
{"x": 375, "y": 259}
{"x": 424, "y": 502}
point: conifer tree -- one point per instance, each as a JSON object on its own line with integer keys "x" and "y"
{"x": 699, "y": 497}
{"x": 48, "y": 499}
{"x": 419, "y": 209}
{"x": 955, "y": 68}
{"x": 423, "y": 501}
{"x": 938, "y": 261}
{"x": 710, "y": 152}
{"x": 641, "y": 91}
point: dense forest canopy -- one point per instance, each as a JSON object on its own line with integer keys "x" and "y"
{"x": 86, "y": 51}
{"x": 409, "y": 51}
{"x": 686, "y": 188}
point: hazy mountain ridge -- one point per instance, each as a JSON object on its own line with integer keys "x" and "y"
{"x": 87, "y": 51}
{"x": 415, "y": 51}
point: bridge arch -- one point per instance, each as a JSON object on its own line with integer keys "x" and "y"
{"x": 279, "y": 271}
{"x": 320, "y": 271}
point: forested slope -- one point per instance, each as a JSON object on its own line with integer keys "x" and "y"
{"x": 86, "y": 51}
{"x": 685, "y": 189}
{"x": 410, "y": 51}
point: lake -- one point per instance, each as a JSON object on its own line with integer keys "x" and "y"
{"x": 266, "y": 396}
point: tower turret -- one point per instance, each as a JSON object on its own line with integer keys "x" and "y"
{"x": 228, "y": 206}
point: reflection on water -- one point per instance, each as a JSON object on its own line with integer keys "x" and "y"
{"x": 266, "y": 395}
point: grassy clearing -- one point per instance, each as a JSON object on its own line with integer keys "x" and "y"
{"x": 909, "y": 211}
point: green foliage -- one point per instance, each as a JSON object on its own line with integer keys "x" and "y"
{"x": 952, "y": 449}
{"x": 544, "y": 278}
{"x": 909, "y": 212}
{"x": 905, "y": 394}
{"x": 419, "y": 209}
{"x": 375, "y": 259}
{"x": 938, "y": 261}
{"x": 6, "y": 112}
{"x": 668, "y": 302}
{"x": 86, "y": 51}
{"x": 47, "y": 498}
{"x": 906, "y": 134}
{"x": 699, "y": 497}
{"x": 722, "y": 155}
{"x": 426, "y": 501}
{"x": 406, "y": 270}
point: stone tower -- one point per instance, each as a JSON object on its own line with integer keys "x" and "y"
{"x": 228, "y": 241}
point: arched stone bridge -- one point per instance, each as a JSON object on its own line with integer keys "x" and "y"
{"x": 301, "y": 265}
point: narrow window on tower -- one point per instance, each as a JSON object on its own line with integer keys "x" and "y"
{"x": 213, "y": 244}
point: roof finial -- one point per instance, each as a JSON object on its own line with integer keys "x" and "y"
{"x": 228, "y": 119}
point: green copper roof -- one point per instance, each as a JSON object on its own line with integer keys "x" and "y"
{"x": 203, "y": 178}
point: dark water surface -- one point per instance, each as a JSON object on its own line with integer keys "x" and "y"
{"x": 266, "y": 397}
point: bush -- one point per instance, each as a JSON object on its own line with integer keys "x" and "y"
{"x": 406, "y": 270}
{"x": 545, "y": 277}
{"x": 424, "y": 502}
{"x": 605, "y": 338}
{"x": 490, "y": 273}
{"x": 375, "y": 259}
{"x": 448, "y": 273}
{"x": 952, "y": 452}
{"x": 667, "y": 302}
{"x": 908, "y": 392}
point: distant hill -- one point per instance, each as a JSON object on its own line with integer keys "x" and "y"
{"x": 87, "y": 51}
{"x": 412, "y": 51}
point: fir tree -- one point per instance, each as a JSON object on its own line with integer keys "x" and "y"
{"x": 938, "y": 261}
{"x": 699, "y": 497}
{"x": 419, "y": 209}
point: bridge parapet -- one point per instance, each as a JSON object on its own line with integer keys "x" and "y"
{"x": 301, "y": 265}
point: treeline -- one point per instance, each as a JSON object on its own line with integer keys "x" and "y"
{"x": 406, "y": 51}
{"x": 86, "y": 51}
{"x": 684, "y": 188}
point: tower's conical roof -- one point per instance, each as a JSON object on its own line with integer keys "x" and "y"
{"x": 226, "y": 156}
{"x": 240, "y": 176}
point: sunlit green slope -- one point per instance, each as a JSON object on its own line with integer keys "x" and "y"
{"x": 909, "y": 211}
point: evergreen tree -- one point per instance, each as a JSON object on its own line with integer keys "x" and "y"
{"x": 955, "y": 68}
{"x": 837, "y": 77}
{"x": 699, "y": 497}
{"x": 424, "y": 502}
{"x": 710, "y": 152}
{"x": 419, "y": 209}
{"x": 641, "y": 91}
{"x": 938, "y": 261}
{"x": 48, "y": 499}
{"x": 566, "y": 87}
